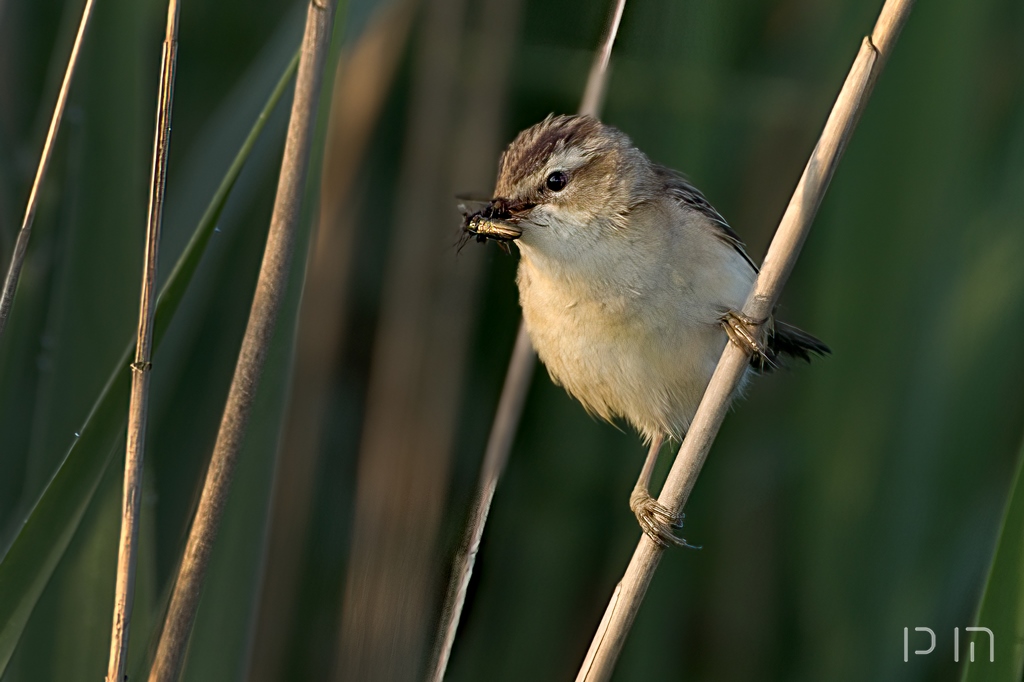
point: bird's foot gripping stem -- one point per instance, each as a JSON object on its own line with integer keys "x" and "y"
{"x": 740, "y": 329}
{"x": 657, "y": 521}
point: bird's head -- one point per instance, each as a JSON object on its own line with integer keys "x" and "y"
{"x": 563, "y": 185}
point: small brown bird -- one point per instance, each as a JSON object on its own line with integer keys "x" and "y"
{"x": 629, "y": 280}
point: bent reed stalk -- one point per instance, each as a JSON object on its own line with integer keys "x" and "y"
{"x": 778, "y": 264}
{"x": 271, "y": 288}
{"x": 21, "y": 244}
{"x": 131, "y": 501}
{"x": 510, "y": 408}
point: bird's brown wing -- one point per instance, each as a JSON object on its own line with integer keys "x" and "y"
{"x": 680, "y": 189}
{"x": 783, "y": 339}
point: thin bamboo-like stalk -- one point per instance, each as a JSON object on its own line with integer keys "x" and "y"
{"x": 597, "y": 81}
{"x": 778, "y": 264}
{"x": 138, "y": 408}
{"x": 420, "y": 347}
{"x": 270, "y": 292}
{"x": 21, "y": 244}
{"x": 510, "y": 408}
{"x": 361, "y": 86}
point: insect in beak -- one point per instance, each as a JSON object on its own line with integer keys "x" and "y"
{"x": 497, "y": 221}
{"x": 491, "y": 228}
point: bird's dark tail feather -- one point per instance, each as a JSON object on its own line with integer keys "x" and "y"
{"x": 787, "y": 340}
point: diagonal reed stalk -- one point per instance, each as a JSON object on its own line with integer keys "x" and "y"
{"x": 363, "y": 81}
{"x": 21, "y": 245}
{"x": 138, "y": 408}
{"x": 510, "y": 407}
{"x": 270, "y": 292}
{"x": 421, "y": 343}
{"x": 778, "y": 264}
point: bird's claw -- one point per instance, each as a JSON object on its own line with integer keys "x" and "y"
{"x": 656, "y": 520}
{"x": 740, "y": 330}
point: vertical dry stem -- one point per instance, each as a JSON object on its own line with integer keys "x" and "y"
{"x": 499, "y": 443}
{"x": 21, "y": 245}
{"x": 131, "y": 500}
{"x": 597, "y": 81}
{"x": 510, "y": 407}
{"x": 270, "y": 292}
{"x": 361, "y": 86}
{"x": 778, "y": 263}
{"x": 419, "y": 351}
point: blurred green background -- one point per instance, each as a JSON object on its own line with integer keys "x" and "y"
{"x": 842, "y": 502}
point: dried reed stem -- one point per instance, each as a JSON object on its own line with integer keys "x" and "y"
{"x": 138, "y": 408}
{"x": 499, "y": 443}
{"x": 510, "y": 407}
{"x": 21, "y": 245}
{"x": 362, "y": 83}
{"x": 418, "y": 360}
{"x": 597, "y": 81}
{"x": 778, "y": 263}
{"x": 270, "y": 292}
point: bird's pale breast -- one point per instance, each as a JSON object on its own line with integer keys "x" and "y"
{"x": 636, "y": 335}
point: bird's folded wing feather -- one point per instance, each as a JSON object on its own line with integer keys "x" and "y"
{"x": 680, "y": 189}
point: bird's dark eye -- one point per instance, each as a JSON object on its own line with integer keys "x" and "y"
{"x": 557, "y": 181}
